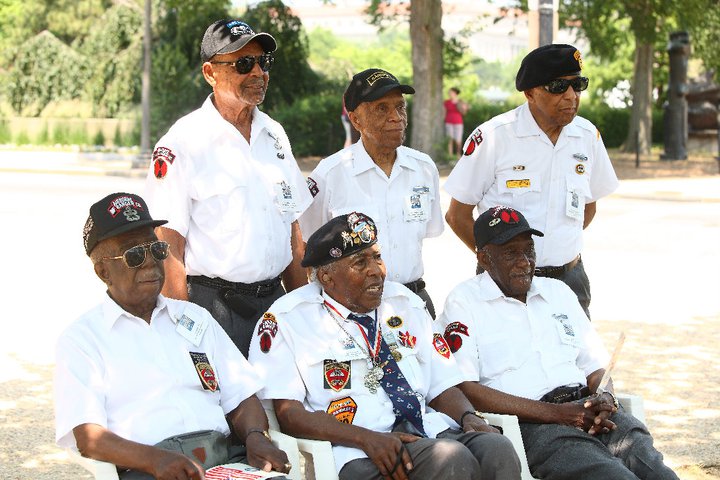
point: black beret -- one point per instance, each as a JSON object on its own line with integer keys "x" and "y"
{"x": 115, "y": 214}
{"x": 370, "y": 85}
{"x": 547, "y": 63}
{"x": 499, "y": 225}
{"x": 338, "y": 238}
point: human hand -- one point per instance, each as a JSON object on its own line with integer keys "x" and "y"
{"x": 603, "y": 406}
{"x": 262, "y": 454}
{"x": 473, "y": 423}
{"x": 175, "y": 466}
{"x": 387, "y": 451}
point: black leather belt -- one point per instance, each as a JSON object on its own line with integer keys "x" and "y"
{"x": 416, "y": 286}
{"x": 566, "y": 394}
{"x": 257, "y": 289}
{"x": 556, "y": 272}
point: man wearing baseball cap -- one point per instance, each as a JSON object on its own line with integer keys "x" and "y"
{"x": 540, "y": 158}
{"x": 363, "y": 369}
{"x": 225, "y": 178}
{"x": 396, "y": 185}
{"x": 526, "y": 348}
{"x": 148, "y": 383}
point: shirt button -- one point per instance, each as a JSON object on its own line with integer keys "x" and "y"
{"x": 397, "y": 275}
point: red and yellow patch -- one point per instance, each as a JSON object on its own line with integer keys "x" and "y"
{"x": 204, "y": 370}
{"x": 267, "y": 329}
{"x": 452, "y": 335}
{"x": 441, "y": 345}
{"x": 336, "y": 375}
{"x": 343, "y": 409}
{"x": 407, "y": 340}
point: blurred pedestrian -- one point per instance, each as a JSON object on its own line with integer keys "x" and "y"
{"x": 454, "y": 111}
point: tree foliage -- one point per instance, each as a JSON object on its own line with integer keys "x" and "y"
{"x": 291, "y": 77}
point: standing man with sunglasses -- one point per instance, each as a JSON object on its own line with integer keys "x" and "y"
{"x": 150, "y": 384}
{"x": 226, "y": 179}
{"x": 541, "y": 159}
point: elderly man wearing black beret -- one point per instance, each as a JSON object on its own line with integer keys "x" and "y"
{"x": 353, "y": 359}
{"x": 542, "y": 159}
{"x": 150, "y": 384}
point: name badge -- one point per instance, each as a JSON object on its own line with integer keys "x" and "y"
{"x": 190, "y": 329}
{"x": 522, "y": 183}
{"x": 574, "y": 204}
{"x": 416, "y": 207}
{"x": 285, "y": 197}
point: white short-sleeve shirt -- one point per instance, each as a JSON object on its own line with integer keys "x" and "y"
{"x": 306, "y": 356}
{"x": 524, "y": 349}
{"x": 509, "y": 161}
{"x": 233, "y": 201}
{"x": 405, "y": 206}
{"x": 143, "y": 381}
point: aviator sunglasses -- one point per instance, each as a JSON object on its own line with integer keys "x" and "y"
{"x": 560, "y": 85}
{"x": 134, "y": 257}
{"x": 243, "y": 65}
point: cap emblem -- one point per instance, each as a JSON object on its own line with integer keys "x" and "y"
{"x": 238, "y": 28}
{"x": 379, "y": 75}
{"x": 120, "y": 203}
{"x": 578, "y": 57}
{"x": 131, "y": 214}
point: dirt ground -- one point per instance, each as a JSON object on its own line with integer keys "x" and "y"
{"x": 26, "y": 406}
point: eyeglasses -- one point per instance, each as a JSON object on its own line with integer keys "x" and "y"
{"x": 135, "y": 256}
{"x": 560, "y": 85}
{"x": 243, "y": 65}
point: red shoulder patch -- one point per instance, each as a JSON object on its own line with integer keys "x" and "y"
{"x": 441, "y": 345}
{"x": 472, "y": 142}
{"x": 452, "y": 335}
{"x": 267, "y": 329}
{"x": 161, "y": 158}
{"x": 313, "y": 187}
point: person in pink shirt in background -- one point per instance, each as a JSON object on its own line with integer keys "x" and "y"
{"x": 454, "y": 111}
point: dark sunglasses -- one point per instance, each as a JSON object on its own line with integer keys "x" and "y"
{"x": 243, "y": 65}
{"x": 560, "y": 85}
{"x": 134, "y": 257}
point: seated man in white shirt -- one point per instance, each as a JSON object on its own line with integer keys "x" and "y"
{"x": 527, "y": 348}
{"x": 148, "y": 383}
{"x": 353, "y": 360}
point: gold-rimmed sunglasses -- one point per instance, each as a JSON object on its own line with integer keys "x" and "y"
{"x": 135, "y": 256}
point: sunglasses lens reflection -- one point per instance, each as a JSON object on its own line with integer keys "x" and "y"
{"x": 135, "y": 256}
{"x": 159, "y": 250}
{"x": 243, "y": 65}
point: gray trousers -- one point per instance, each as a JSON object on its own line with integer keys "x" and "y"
{"x": 559, "y": 452}
{"x": 239, "y": 327}
{"x": 453, "y": 455}
{"x": 579, "y": 283}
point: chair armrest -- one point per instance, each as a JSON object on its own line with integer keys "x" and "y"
{"x": 319, "y": 459}
{"x": 511, "y": 430}
{"x": 289, "y": 445}
{"x": 633, "y": 404}
{"x": 99, "y": 470}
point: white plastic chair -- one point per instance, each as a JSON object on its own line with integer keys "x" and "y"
{"x": 318, "y": 462}
{"x": 107, "y": 471}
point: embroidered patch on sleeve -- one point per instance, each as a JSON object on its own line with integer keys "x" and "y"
{"x": 407, "y": 339}
{"x": 472, "y": 142}
{"x": 336, "y": 375}
{"x": 343, "y": 409}
{"x": 441, "y": 345}
{"x": 204, "y": 370}
{"x": 452, "y": 335}
{"x": 162, "y": 157}
{"x": 312, "y": 186}
{"x": 267, "y": 329}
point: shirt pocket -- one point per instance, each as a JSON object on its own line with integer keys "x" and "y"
{"x": 497, "y": 355}
{"x": 519, "y": 189}
{"x": 335, "y": 371}
{"x": 220, "y": 202}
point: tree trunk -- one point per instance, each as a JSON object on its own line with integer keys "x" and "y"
{"x": 426, "y": 37}
{"x": 640, "y": 130}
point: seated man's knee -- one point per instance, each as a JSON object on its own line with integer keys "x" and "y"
{"x": 452, "y": 459}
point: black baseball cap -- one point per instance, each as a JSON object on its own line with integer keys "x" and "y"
{"x": 499, "y": 225}
{"x": 370, "y": 85}
{"x": 340, "y": 237}
{"x": 546, "y": 63}
{"x": 116, "y": 214}
{"x": 228, "y": 36}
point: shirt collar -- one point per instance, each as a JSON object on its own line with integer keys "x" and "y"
{"x": 489, "y": 290}
{"x": 362, "y": 161}
{"x": 112, "y": 312}
{"x": 340, "y": 308}
{"x": 216, "y": 123}
{"x": 526, "y": 125}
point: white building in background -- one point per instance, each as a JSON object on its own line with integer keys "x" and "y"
{"x": 497, "y": 33}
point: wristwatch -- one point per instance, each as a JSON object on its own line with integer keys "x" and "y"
{"x": 472, "y": 412}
